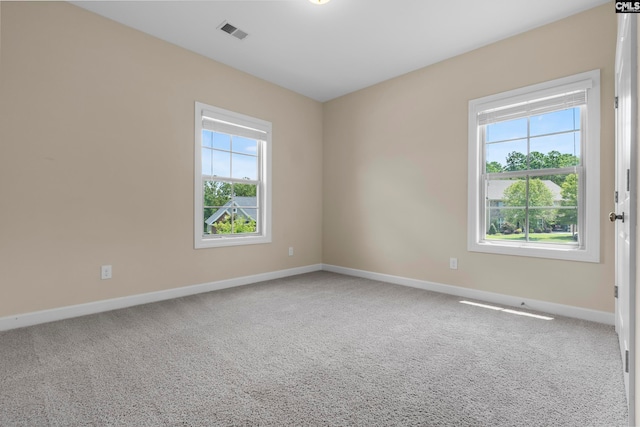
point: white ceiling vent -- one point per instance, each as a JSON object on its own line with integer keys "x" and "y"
{"x": 232, "y": 30}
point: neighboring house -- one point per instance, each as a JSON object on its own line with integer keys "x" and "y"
{"x": 497, "y": 187}
{"x": 495, "y": 196}
{"x": 244, "y": 207}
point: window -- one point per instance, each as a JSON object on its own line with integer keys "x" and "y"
{"x": 534, "y": 170}
{"x": 232, "y": 178}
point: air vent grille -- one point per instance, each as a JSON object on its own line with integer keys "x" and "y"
{"x": 228, "y": 28}
{"x": 233, "y": 30}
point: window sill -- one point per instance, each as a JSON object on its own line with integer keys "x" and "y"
{"x": 216, "y": 242}
{"x": 568, "y": 253}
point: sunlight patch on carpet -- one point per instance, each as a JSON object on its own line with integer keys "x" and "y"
{"x": 506, "y": 310}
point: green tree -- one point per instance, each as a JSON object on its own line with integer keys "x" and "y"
{"x": 537, "y": 160}
{"x": 216, "y": 193}
{"x": 516, "y": 161}
{"x": 569, "y": 192}
{"x": 245, "y": 190}
{"x": 493, "y": 167}
{"x": 554, "y": 160}
{"x": 240, "y": 225}
{"x": 539, "y": 195}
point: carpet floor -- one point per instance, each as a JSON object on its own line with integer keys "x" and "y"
{"x": 319, "y": 349}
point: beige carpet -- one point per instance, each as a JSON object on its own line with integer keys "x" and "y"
{"x": 319, "y": 349}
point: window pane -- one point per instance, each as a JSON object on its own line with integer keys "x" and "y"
{"x": 222, "y": 141}
{"x": 245, "y": 145}
{"x": 207, "y": 138}
{"x": 514, "y": 198}
{"x": 243, "y": 224}
{"x": 506, "y": 156}
{"x": 246, "y": 190}
{"x": 543, "y": 192}
{"x": 220, "y": 221}
{"x": 244, "y": 167}
{"x": 555, "y": 151}
{"x": 505, "y": 223}
{"x": 503, "y": 191}
{"x": 505, "y": 208}
{"x": 221, "y": 163}
{"x": 558, "y": 121}
{"x": 542, "y": 231}
{"x": 230, "y": 208}
{"x": 207, "y": 161}
{"x": 567, "y": 220}
{"x": 549, "y": 205}
{"x": 246, "y": 212}
{"x": 236, "y": 221}
{"x": 511, "y": 129}
{"x": 217, "y": 194}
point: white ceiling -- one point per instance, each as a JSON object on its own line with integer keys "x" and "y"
{"x": 327, "y": 51}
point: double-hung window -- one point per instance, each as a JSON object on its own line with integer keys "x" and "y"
{"x": 534, "y": 170}
{"x": 232, "y": 178}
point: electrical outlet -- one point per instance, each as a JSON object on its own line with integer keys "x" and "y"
{"x": 453, "y": 263}
{"x": 290, "y": 250}
{"x": 105, "y": 272}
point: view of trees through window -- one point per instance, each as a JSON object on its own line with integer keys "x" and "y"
{"x": 532, "y": 178}
{"x": 230, "y": 183}
{"x": 218, "y": 196}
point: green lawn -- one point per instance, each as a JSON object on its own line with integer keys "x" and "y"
{"x": 536, "y": 237}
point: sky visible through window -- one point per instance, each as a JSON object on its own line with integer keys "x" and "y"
{"x": 227, "y": 156}
{"x": 557, "y": 131}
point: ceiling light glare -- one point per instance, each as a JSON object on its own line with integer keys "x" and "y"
{"x": 319, "y": 1}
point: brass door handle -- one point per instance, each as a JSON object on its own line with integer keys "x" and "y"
{"x": 613, "y": 217}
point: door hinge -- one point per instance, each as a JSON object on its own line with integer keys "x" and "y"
{"x": 628, "y": 180}
{"x": 615, "y": 102}
{"x": 615, "y": 291}
{"x": 626, "y": 361}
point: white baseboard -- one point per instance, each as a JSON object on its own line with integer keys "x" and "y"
{"x": 44, "y": 316}
{"x": 535, "y": 305}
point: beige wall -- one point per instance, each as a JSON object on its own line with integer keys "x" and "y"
{"x": 395, "y": 167}
{"x": 96, "y": 162}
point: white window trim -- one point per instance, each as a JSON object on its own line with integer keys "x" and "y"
{"x": 590, "y": 250}
{"x": 264, "y": 192}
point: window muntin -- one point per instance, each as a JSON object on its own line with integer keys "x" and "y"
{"x": 534, "y": 170}
{"x": 232, "y": 178}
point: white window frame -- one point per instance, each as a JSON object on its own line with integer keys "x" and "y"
{"x": 589, "y": 191}
{"x": 242, "y": 125}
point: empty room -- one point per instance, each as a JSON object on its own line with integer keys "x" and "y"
{"x": 310, "y": 212}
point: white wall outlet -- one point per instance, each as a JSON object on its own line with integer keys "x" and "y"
{"x": 290, "y": 250}
{"x": 105, "y": 272}
{"x": 453, "y": 263}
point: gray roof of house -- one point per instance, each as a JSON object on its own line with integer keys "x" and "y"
{"x": 496, "y": 188}
{"x": 238, "y": 202}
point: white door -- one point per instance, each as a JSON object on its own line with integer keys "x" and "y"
{"x": 624, "y": 216}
